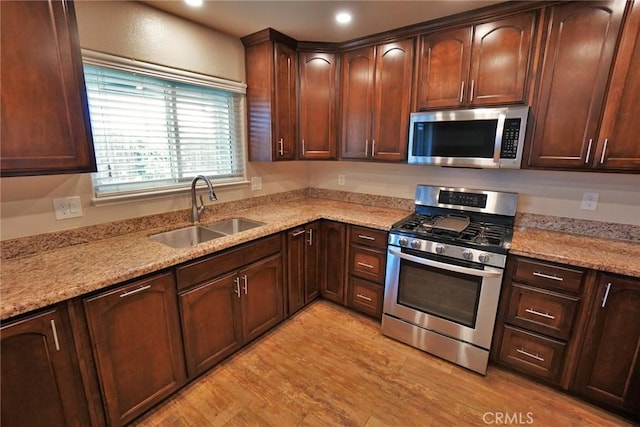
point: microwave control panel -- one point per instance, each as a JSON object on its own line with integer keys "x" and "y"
{"x": 510, "y": 138}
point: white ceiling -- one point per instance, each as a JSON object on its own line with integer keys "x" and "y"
{"x": 313, "y": 20}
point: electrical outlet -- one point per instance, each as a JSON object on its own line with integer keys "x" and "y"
{"x": 68, "y": 207}
{"x": 341, "y": 179}
{"x": 256, "y": 183}
{"x": 589, "y": 201}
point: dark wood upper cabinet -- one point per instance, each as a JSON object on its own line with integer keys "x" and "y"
{"x": 376, "y": 101}
{"x": 45, "y": 126}
{"x": 578, "y": 56}
{"x": 317, "y": 111}
{"x": 618, "y": 145}
{"x": 608, "y": 368}
{"x": 486, "y": 64}
{"x": 270, "y": 64}
{"x": 41, "y": 383}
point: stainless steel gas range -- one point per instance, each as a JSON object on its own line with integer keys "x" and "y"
{"x": 445, "y": 265}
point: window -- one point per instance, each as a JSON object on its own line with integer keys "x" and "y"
{"x": 154, "y": 128}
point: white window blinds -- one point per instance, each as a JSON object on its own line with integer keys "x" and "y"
{"x": 153, "y": 131}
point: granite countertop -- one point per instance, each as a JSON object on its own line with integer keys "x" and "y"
{"x": 45, "y": 278}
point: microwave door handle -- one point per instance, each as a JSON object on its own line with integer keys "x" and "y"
{"x": 497, "y": 148}
{"x": 445, "y": 266}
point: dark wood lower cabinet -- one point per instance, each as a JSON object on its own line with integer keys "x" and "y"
{"x": 333, "y": 237}
{"x": 609, "y": 366}
{"x": 40, "y": 383}
{"x": 137, "y": 345}
{"x": 303, "y": 252}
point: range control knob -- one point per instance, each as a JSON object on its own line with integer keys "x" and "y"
{"x": 440, "y": 249}
{"x": 483, "y": 257}
{"x": 415, "y": 244}
{"x": 403, "y": 241}
{"x": 468, "y": 255}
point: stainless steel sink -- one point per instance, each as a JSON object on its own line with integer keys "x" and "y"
{"x": 233, "y": 225}
{"x": 186, "y": 237}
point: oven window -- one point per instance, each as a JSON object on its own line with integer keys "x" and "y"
{"x": 445, "y": 294}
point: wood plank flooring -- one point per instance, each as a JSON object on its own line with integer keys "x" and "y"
{"x": 328, "y": 366}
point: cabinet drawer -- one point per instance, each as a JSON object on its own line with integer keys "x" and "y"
{"x": 367, "y": 263}
{"x": 368, "y": 237}
{"x": 365, "y": 297}
{"x": 548, "y": 275}
{"x": 542, "y": 311}
{"x": 531, "y": 353}
{"x": 216, "y": 265}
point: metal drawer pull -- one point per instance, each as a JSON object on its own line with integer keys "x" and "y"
{"x": 135, "y": 291}
{"x": 364, "y": 297}
{"x": 548, "y": 276}
{"x": 237, "y": 281}
{"x": 606, "y": 295}
{"x": 362, "y": 236}
{"x": 281, "y": 144}
{"x": 297, "y": 233}
{"x": 55, "y": 335}
{"x": 539, "y": 313}
{"x": 245, "y": 286}
{"x": 533, "y": 356}
{"x": 363, "y": 264}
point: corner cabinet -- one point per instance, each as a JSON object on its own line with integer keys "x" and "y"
{"x": 45, "y": 126}
{"x": 609, "y": 369}
{"x": 303, "y": 256}
{"x": 41, "y": 383}
{"x": 333, "y": 254}
{"x": 376, "y": 101}
{"x": 572, "y": 87}
{"x": 485, "y": 64}
{"x": 318, "y": 96}
{"x": 270, "y": 61}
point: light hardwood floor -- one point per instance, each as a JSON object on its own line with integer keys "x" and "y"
{"x": 328, "y": 366}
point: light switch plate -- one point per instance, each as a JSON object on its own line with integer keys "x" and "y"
{"x": 256, "y": 183}
{"x": 589, "y": 201}
{"x": 67, "y": 207}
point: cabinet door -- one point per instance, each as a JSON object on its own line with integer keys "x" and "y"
{"x": 618, "y": 146}
{"x": 357, "y": 102}
{"x": 40, "y": 380}
{"x": 393, "y": 78}
{"x": 578, "y": 56}
{"x": 500, "y": 60}
{"x": 45, "y": 127}
{"x": 261, "y": 297}
{"x": 296, "y": 242}
{"x": 608, "y": 368}
{"x": 332, "y": 267}
{"x": 285, "y": 103}
{"x": 443, "y": 68}
{"x": 211, "y": 322}
{"x": 137, "y": 347}
{"x": 312, "y": 262}
{"x": 318, "y": 105}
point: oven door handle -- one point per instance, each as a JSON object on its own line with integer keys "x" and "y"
{"x": 445, "y": 266}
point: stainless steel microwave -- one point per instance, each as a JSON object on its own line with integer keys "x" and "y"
{"x": 476, "y": 138}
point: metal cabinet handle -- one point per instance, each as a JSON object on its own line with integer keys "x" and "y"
{"x": 135, "y": 291}
{"x": 310, "y": 241}
{"x": 604, "y": 150}
{"x": 366, "y": 147}
{"x": 362, "y": 236}
{"x": 303, "y": 150}
{"x": 245, "y": 287}
{"x": 533, "y": 356}
{"x": 606, "y": 295}
{"x": 55, "y": 334}
{"x": 473, "y": 83}
{"x": 281, "y": 144}
{"x": 548, "y": 276}
{"x": 539, "y": 313}
{"x": 237, "y": 281}
{"x": 373, "y": 148}
{"x": 586, "y": 159}
{"x": 297, "y": 233}
{"x": 461, "y": 92}
{"x": 366, "y": 298}
{"x": 363, "y": 264}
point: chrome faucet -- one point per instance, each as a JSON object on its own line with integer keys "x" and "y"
{"x": 196, "y": 210}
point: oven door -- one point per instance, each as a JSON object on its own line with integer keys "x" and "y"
{"x": 453, "y": 300}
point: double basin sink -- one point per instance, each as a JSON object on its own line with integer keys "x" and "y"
{"x": 195, "y": 234}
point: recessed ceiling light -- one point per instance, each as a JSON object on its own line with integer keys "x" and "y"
{"x": 194, "y": 3}
{"x": 343, "y": 17}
